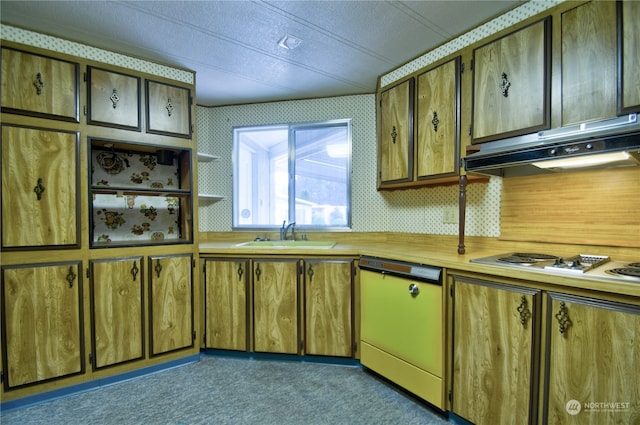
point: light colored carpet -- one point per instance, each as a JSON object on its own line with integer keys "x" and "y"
{"x": 227, "y": 390}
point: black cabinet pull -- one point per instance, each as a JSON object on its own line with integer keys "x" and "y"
{"x": 158, "y": 267}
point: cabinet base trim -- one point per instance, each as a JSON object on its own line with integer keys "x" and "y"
{"x": 35, "y": 399}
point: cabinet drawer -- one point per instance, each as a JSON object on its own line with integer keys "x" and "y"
{"x": 39, "y": 85}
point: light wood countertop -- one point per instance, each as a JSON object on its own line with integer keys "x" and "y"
{"x": 441, "y": 251}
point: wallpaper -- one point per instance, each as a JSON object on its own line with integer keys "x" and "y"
{"x": 403, "y": 211}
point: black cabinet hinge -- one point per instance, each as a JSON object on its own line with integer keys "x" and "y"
{"x": 471, "y": 65}
{"x": 450, "y": 396}
{"x": 1, "y": 376}
{"x": 194, "y": 336}
{"x": 451, "y": 290}
{"x": 84, "y": 76}
{"x": 461, "y": 67}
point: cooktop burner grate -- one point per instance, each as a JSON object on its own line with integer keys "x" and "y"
{"x": 626, "y": 271}
{"x": 534, "y": 256}
{"x": 637, "y": 265}
{"x": 526, "y": 258}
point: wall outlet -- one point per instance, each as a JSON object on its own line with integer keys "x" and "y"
{"x": 450, "y": 215}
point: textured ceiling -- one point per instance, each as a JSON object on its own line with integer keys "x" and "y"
{"x": 233, "y": 45}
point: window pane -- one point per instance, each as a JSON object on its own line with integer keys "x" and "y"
{"x": 321, "y": 175}
{"x": 261, "y": 176}
{"x": 292, "y": 173}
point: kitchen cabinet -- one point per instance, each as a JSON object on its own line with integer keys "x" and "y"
{"x": 589, "y": 62}
{"x": 168, "y": 109}
{"x": 117, "y": 311}
{"x": 113, "y": 99}
{"x": 328, "y": 310}
{"x": 275, "y": 306}
{"x": 226, "y": 286}
{"x": 495, "y": 332}
{"x": 40, "y": 188}
{"x": 140, "y": 194}
{"x": 511, "y": 88}
{"x": 629, "y": 52}
{"x": 39, "y": 85}
{"x": 170, "y": 303}
{"x": 438, "y": 121}
{"x": 592, "y": 358}
{"x": 42, "y": 323}
{"x": 395, "y": 137}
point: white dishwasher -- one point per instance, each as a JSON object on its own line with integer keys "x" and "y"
{"x": 402, "y": 325}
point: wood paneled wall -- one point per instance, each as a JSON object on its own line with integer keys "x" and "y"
{"x": 592, "y": 207}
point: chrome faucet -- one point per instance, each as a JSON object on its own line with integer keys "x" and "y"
{"x": 285, "y": 229}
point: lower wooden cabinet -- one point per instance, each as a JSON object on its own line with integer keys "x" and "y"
{"x": 226, "y": 296}
{"x": 280, "y": 305}
{"x": 494, "y": 332}
{"x": 328, "y": 309}
{"x": 527, "y": 356}
{"x": 275, "y": 306}
{"x": 593, "y": 359}
{"x": 42, "y": 320}
{"x": 117, "y": 311}
{"x": 170, "y": 303}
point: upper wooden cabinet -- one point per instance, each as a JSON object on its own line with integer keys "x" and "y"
{"x": 438, "y": 121}
{"x": 589, "y": 62}
{"x": 113, "y": 98}
{"x": 395, "y": 138}
{"x": 40, "y": 188}
{"x": 168, "y": 109}
{"x": 511, "y": 90}
{"x": 40, "y": 86}
{"x": 629, "y": 65}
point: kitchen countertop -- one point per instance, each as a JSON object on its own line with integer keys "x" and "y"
{"x": 442, "y": 251}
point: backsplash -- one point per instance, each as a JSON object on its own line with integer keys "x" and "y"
{"x": 403, "y": 211}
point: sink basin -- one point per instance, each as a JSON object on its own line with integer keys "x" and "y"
{"x": 287, "y": 244}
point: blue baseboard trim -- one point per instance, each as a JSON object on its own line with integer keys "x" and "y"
{"x": 455, "y": 419}
{"x": 341, "y": 361}
{"x": 92, "y": 385}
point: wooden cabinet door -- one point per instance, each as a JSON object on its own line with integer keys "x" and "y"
{"x": 495, "y": 328}
{"x": 275, "y": 306}
{"x": 170, "y": 303}
{"x": 328, "y": 308}
{"x": 593, "y": 358}
{"x": 40, "y": 188}
{"x": 113, "y": 98}
{"x": 117, "y": 311}
{"x": 511, "y": 91}
{"x": 168, "y": 109}
{"x": 39, "y": 85}
{"x": 42, "y": 323}
{"x": 629, "y": 44}
{"x": 589, "y": 62}
{"x": 225, "y": 288}
{"x": 438, "y": 121}
{"x": 395, "y": 138}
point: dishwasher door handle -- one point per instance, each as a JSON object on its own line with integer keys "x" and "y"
{"x": 414, "y": 289}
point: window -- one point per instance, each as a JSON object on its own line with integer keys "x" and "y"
{"x": 295, "y": 173}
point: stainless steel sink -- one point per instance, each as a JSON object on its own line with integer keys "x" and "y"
{"x": 287, "y": 244}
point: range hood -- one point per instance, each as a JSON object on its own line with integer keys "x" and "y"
{"x": 602, "y": 144}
